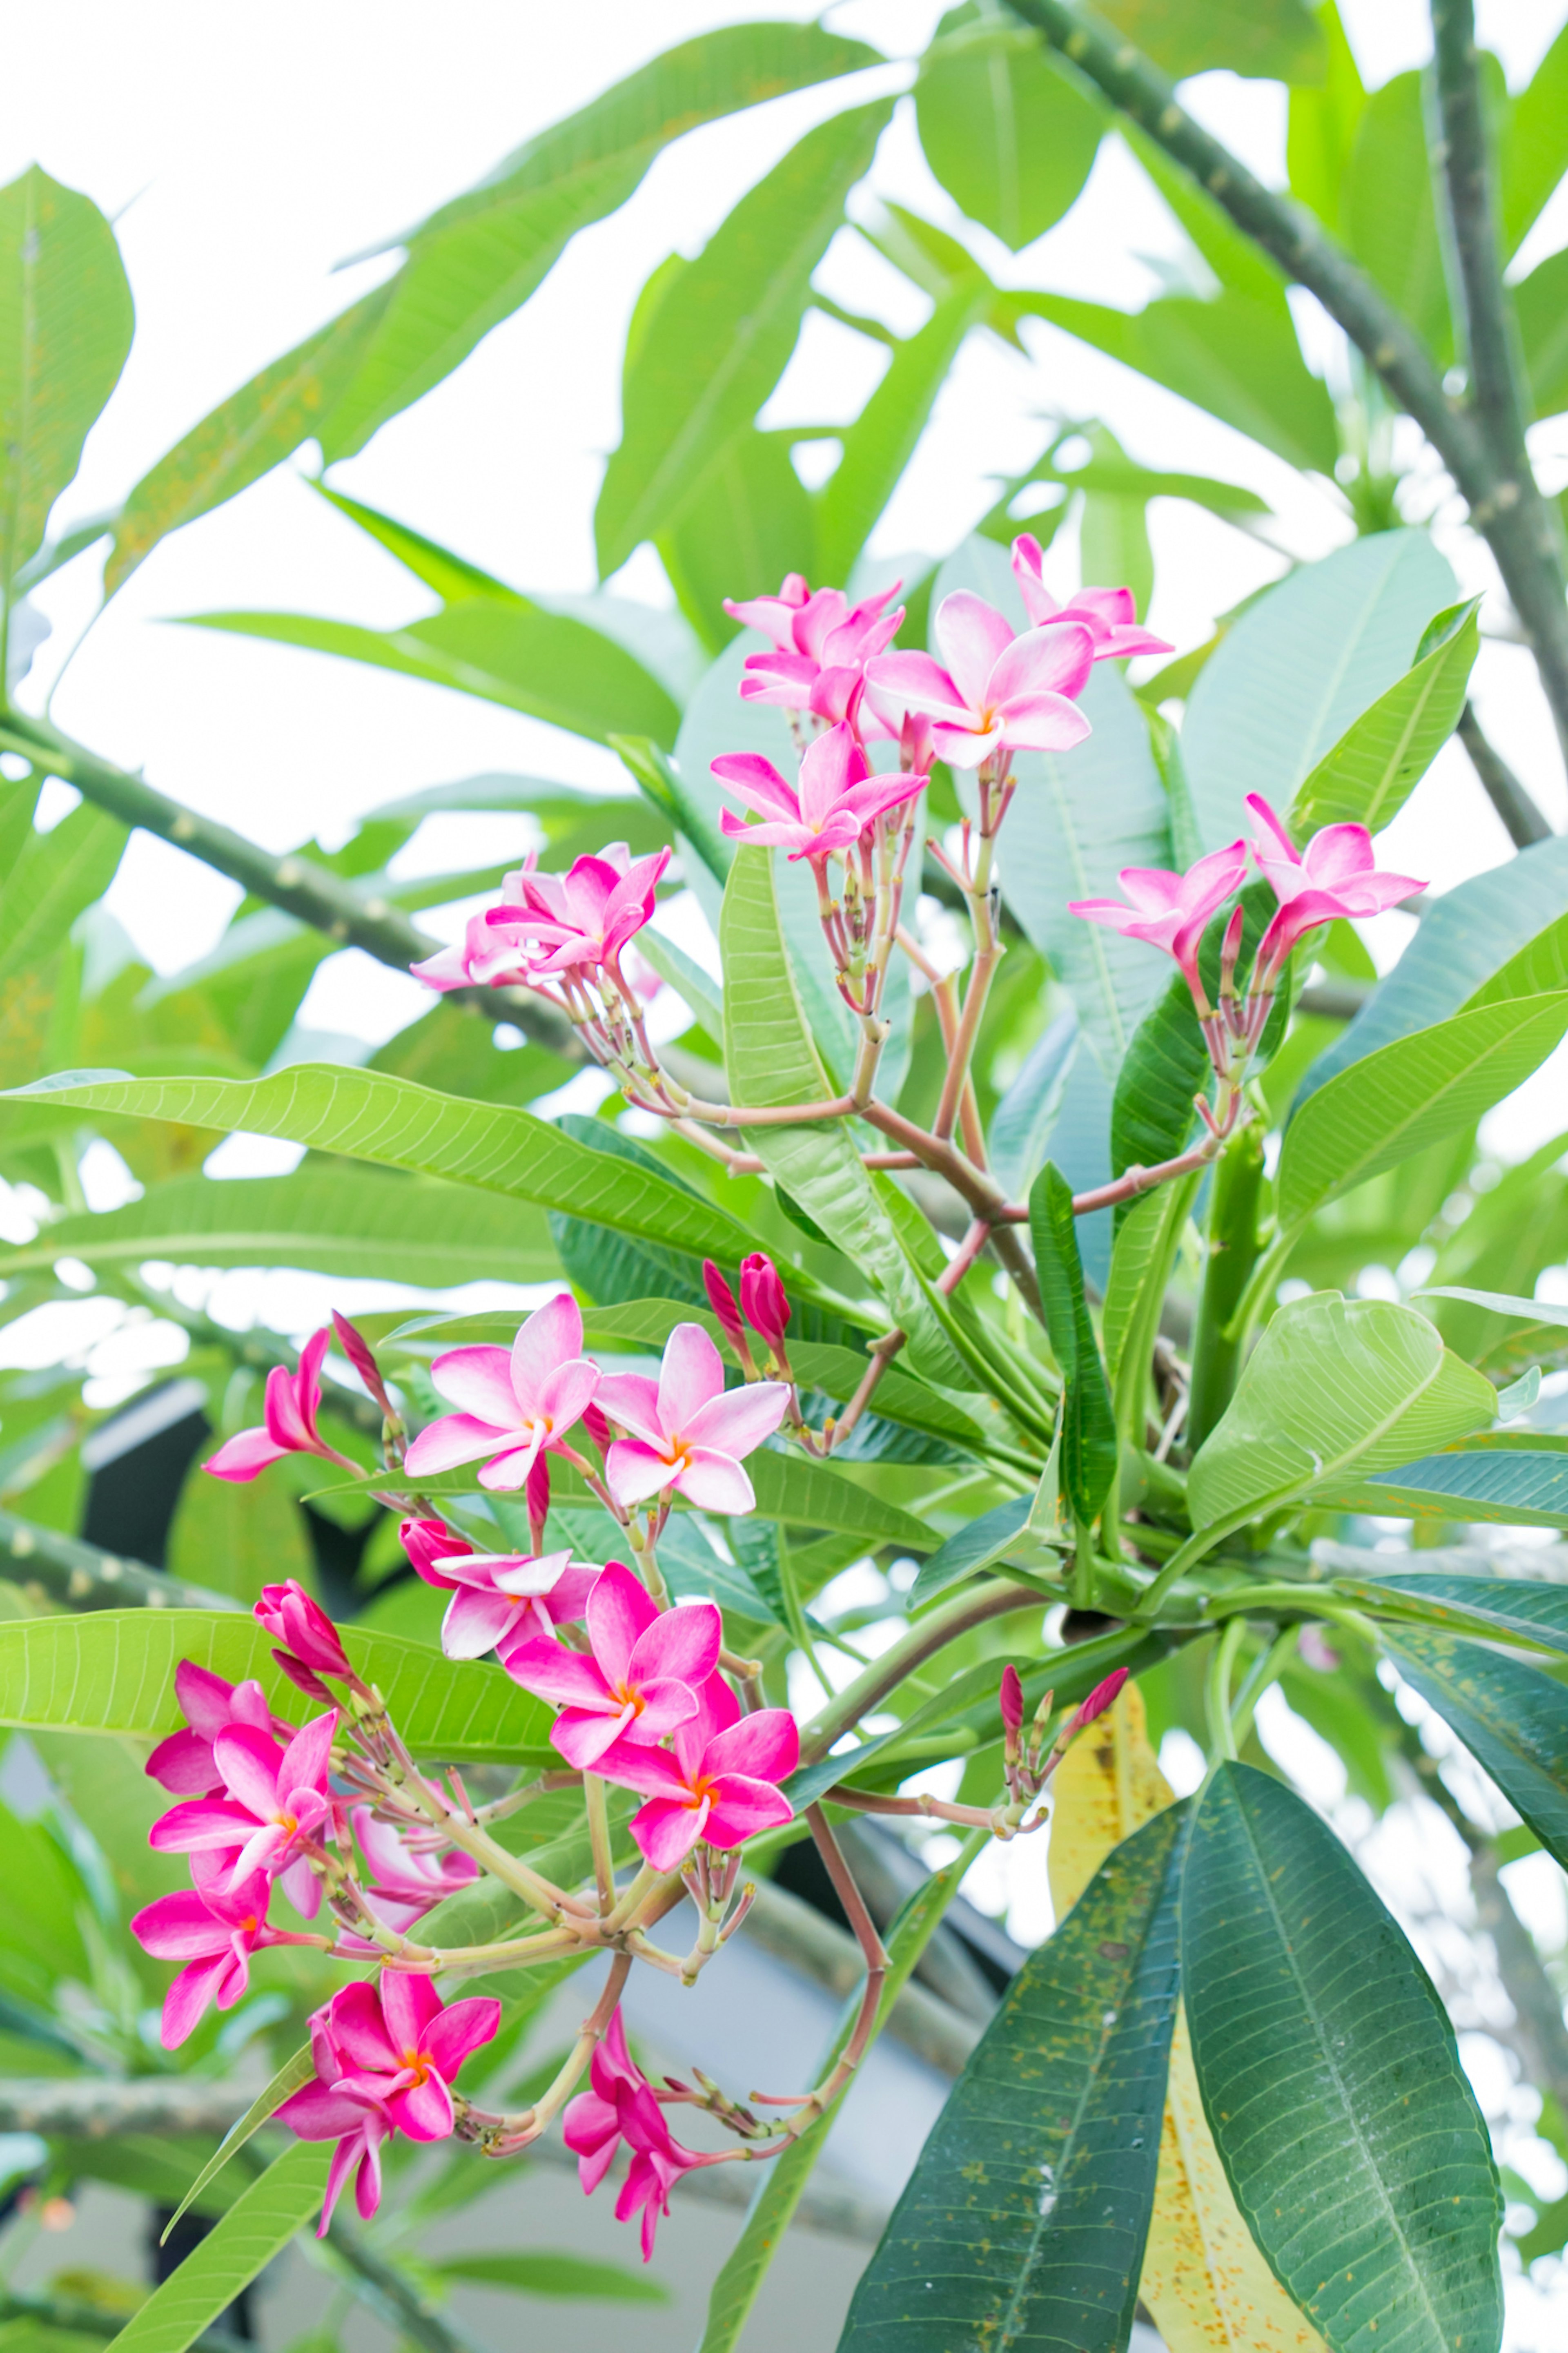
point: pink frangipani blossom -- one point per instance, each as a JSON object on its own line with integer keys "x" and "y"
{"x": 385, "y": 2057}
{"x": 821, "y": 646}
{"x": 184, "y": 1761}
{"x": 214, "y": 1929}
{"x": 1171, "y": 910}
{"x": 274, "y": 1800}
{"x": 720, "y": 1784}
{"x": 291, "y": 1403}
{"x": 311, "y": 1643}
{"x": 524, "y": 1596}
{"x": 1110, "y": 615}
{"x": 839, "y": 797}
{"x": 642, "y": 1679}
{"x": 688, "y": 1433}
{"x": 513, "y": 1406}
{"x": 405, "y": 1880}
{"x": 1335, "y": 875}
{"x": 622, "y": 2107}
{"x": 549, "y": 924}
{"x": 998, "y": 692}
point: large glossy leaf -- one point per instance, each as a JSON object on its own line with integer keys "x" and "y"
{"x": 1373, "y": 769}
{"x": 1470, "y": 935}
{"x": 1511, "y": 1717}
{"x": 1274, "y": 39}
{"x": 719, "y": 342}
{"x": 243, "y": 438}
{"x": 258, "y": 2226}
{"x": 114, "y": 1672}
{"x": 370, "y": 1115}
{"x": 337, "y": 1220}
{"x": 1534, "y": 145}
{"x": 56, "y": 875}
{"x": 1025, "y": 2219}
{"x": 65, "y": 330}
{"x": 750, "y": 520}
{"x": 792, "y": 1488}
{"x": 1021, "y": 1121}
{"x": 1505, "y": 1609}
{"x": 1336, "y": 1389}
{"x": 1396, "y": 1101}
{"x": 477, "y": 259}
{"x": 1539, "y": 302}
{"x": 503, "y": 649}
{"x": 1010, "y": 136}
{"x": 1514, "y": 1488}
{"x": 1388, "y": 213}
{"x": 1088, "y": 1444}
{"x": 1299, "y": 665}
{"x": 1332, "y": 2083}
{"x": 1323, "y": 123}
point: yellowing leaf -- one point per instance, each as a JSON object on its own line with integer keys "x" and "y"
{"x": 1105, "y": 1786}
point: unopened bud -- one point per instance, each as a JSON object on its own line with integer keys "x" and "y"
{"x": 427, "y": 1544}
{"x": 722, "y": 1300}
{"x": 310, "y": 1638}
{"x": 1230, "y": 951}
{"x": 763, "y": 1301}
{"x": 358, "y": 1352}
{"x": 917, "y": 746}
{"x": 598, "y": 1426}
{"x": 537, "y": 1494}
{"x": 1011, "y": 1700}
{"x": 1102, "y": 1696}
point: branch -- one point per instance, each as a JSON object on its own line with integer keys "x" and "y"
{"x": 1513, "y": 803}
{"x": 994, "y": 1598}
{"x": 65, "y": 1569}
{"x": 796, "y": 1933}
{"x": 1540, "y": 2036}
{"x": 306, "y": 892}
{"x": 1506, "y": 505}
{"x": 392, "y": 2295}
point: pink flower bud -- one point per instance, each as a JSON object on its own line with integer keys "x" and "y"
{"x": 537, "y": 1494}
{"x": 358, "y": 1352}
{"x": 722, "y": 1300}
{"x": 763, "y": 1301}
{"x": 302, "y": 1626}
{"x": 916, "y": 746}
{"x": 428, "y": 1543}
{"x": 1012, "y": 1701}
{"x": 1230, "y": 951}
{"x": 597, "y": 1424}
{"x": 1102, "y": 1696}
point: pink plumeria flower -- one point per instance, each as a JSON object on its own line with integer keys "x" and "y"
{"x": 548, "y": 923}
{"x": 1335, "y": 875}
{"x": 688, "y": 1434}
{"x": 821, "y": 646}
{"x": 763, "y": 1301}
{"x": 622, "y": 2107}
{"x": 275, "y": 1798}
{"x": 531, "y": 1610}
{"x": 311, "y": 1646}
{"x": 406, "y": 1880}
{"x": 1171, "y": 910}
{"x": 385, "y": 2058}
{"x": 184, "y": 1762}
{"x": 514, "y": 1406}
{"x": 998, "y": 693}
{"x": 640, "y": 1682}
{"x": 720, "y": 1783}
{"x": 293, "y": 1402}
{"x": 1110, "y": 615}
{"x": 483, "y": 958}
{"x": 839, "y": 797}
{"x": 213, "y": 1930}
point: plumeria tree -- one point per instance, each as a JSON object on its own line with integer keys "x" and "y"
{"x": 1038, "y": 1204}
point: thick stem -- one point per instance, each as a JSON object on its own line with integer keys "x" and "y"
{"x": 923, "y": 1641}
{"x": 836, "y": 1428}
{"x": 598, "y": 1814}
{"x": 1522, "y": 820}
{"x": 1232, "y": 1255}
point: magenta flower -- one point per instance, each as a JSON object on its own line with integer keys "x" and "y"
{"x": 1335, "y": 875}
{"x": 1012, "y": 1702}
{"x": 184, "y": 1762}
{"x": 998, "y": 692}
{"x": 311, "y": 1647}
{"x": 1104, "y": 1695}
{"x": 385, "y": 2058}
{"x": 1171, "y": 910}
{"x": 622, "y": 2107}
{"x": 763, "y": 1301}
{"x": 839, "y": 797}
{"x": 720, "y": 1782}
{"x": 722, "y": 1302}
{"x": 275, "y": 1798}
{"x": 689, "y": 1435}
{"x": 547, "y": 923}
{"x": 407, "y": 1881}
{"x": 1110, "y": 615}
{"x": 213, "y": 1930}
{"x": 821, "y": 646}
{"x": 291, "y": 1404}
{"x": 513, "y": 1407}
{"x": 478, "y": 958}
{"x": 640, "y": 1682}
{"x": 497, "y": 1598}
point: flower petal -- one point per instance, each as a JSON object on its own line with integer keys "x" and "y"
{"x": 682, "y": 1644}
{"x": 632, "y": 1400}
{"x": 582, "y": 1738}
{"x": 550, "y": 1671}
{"x": 634, "y": 1472}
{"x": 551, "y": 1335}
{"x": 765, "y": 1746}
{"x": 244, "y": 1454}
{"x": 1053, "y": 660}
{"x": 666, "y": 1832}
{"x": 475, "y": 1623}
{"x": 460, "y": 2030}
{"x": 456, "y": 1438}
{"x": 620, "y": 1610}
{"x": 692, "y": 1372}
{"x": 741, "y": 1808}
{"x": 251, "y": 1764}
{"x": 972, "y": 636}
{"x": 650, "y": 1771}
{"x": 715, "y": 1483}
{"x": 757, "y": 782}
{"x": 505, "y": 1473}
{"x": 737, "y": 1421}
{"x": 1041, "y": 722}
{"x": 478, "y": 1381}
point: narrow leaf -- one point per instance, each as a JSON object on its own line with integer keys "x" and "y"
{"x": 1512, "y": 1717}
{"x": 1369, "y": 773}
{"x": 1088, "y": 1423}
{"x": 258, "y": 2226}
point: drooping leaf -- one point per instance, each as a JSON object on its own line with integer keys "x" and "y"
{"x": 1010, "y": 135}
{"x": 258, "y": 2226}
{"x": 1025, "y": 2219}
{"x": 296, "y": 2070}
{"x": 749, "y": 524}
{"x": 1500, "y": 1608}
{"x": 1021, "y": 1124}
{"x": 1370, "y": 2188}
{"x": 1335, "y": 1390}
{"x": 541, "y": 2273}
{"x": 1088, "y": 1424}
{"x": 1511, "y": 1717}
{"x": 1521, "y": 1489}
{"x": 1388, "y": 214}
{"x": 1372, "y": 770}
{"x": 1277, "y": 40}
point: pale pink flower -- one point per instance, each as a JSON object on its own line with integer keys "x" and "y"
{"x": 214, "y": 1929}
{"x": 406, "y": 1880}
{"x": 720, "y": 1783}
{"x": 1335, "y": 875}
{"x": 385, "y": 2057}
{"x": 998, "y": 692}
{"x": 838, "y": 796}
{"x": 547, "y": 923}
{"x": 688, "y": 1434}
{"x": 821, "y": 646}
{"x": 642, "y": 1680}
{"x": 184, "y": 1762}
{"x": 480, "y": 958}
{"x": 275, "y": 1798}
{"x": 514, "y": 1406}
{"x": 498, "y": 1599}
{"x": 1171, "y": 910}
{"x": 291, "y": 1404}
{"x": 622, "y": 2107}
{"x": 1110, "y": 615}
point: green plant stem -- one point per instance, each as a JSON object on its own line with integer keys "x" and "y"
{"x": 1266, "y": 1669}
{"x": 393, "y": 2297}
{"x": 1217, "y": 1690}
{"x": 1232, "y": 1255}
{"x": 1506, "y": 505}
{"x": 924, "y": 1640}
{"x": 1522, "y": 820}
{"x": 83, "y": 1578}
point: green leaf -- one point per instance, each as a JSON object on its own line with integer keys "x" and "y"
{"x": 1539, "y": 302}
{"x": 258, "y": 2226}
{"x": 56, "y": 876}
{"x": 720, "y": 340}
{"x": 1396, "y": 1101}
{"x": 368, "y": 1115}
{"x": 1289, "y": 677}
{"x": 1025, "y": 2218}
{"x": 1275, "y": 40}
{"x": 65, "y": 322}
{"x": 1504, "y": 1610}
{"x": 1153, "y": 1110}
{"x": 1323, "y": 123}
{"x": 557, "y": 2275}
{"x": 1387, "y": 212}
{"x": 1021, "y": 1121}
{"x": 1147, "y": 1240}
{"x": 1089, "y": 1425}
{"x": 1370, "y": 2187}
{"x": 1511, "y": 1717}
{"x": 1534, "y": 146}
{"x": 771, "y": 1060}
{"x": 114, "y": 1672}
{"x": 243, "y": 438}
{"x": 984, "y": 1541}
{"x": 503, "y": 650}
{"x": 1010, "y": 134}
{"x": 477, "y": 259}
{"x": 296, "y": 2070}
{"x": 792, "y": 1488}
{"x": 1515, "y": 1489}
{"x": 336, "y": 1220}
{"x": 750, "y": 521}
{"x": 1335, "y": 1389}
{"x": 1369, "y": 775}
